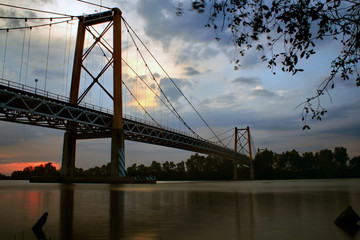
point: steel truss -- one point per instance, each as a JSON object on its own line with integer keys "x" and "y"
{"x": 29, "y": 108}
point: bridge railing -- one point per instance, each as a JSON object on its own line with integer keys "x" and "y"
{"x": 40, "y": 92}
{"x": 162, "y": 126}
{"x": 51, "y": 95}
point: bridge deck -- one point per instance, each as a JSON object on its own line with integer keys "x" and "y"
{"x": 17, "y": 105}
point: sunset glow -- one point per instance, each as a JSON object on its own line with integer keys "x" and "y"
{"x": 8, "y": 168}
{"x": 169, "y": 62}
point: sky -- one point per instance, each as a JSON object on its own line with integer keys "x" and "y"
{"x": 200, "y": 66}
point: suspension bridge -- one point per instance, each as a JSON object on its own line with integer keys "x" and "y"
{"x": 138, "y": 92}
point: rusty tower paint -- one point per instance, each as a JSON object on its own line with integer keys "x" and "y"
{"x": 117, "y": 141}
{"x": 244, "y": 134}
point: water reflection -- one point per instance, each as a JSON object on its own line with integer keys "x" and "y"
{"x": 209, "y": 210}
{"x": 66, "y": 211}
{"x": 116, "y": 214}
{"x": 244, "y": 216}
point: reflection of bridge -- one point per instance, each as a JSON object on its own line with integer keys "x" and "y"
{"x": 23, "y": 104}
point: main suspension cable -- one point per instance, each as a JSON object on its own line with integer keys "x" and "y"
{"x": 128, "y": 26}
{"x": 32, "y": 18}
{"x": 174, "y": 111}
{"x": 35, "y": 10}
{"x": 172, "y": 108}
{"x": 94, "y": 4}
{"x": 35, "y": 26}
{"x": 221, "y": 133}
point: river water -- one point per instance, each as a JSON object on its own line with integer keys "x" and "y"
{"x": 298, "y": 209}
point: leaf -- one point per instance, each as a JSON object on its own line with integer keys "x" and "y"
{"x": 305, "y": 127}
{"x": 295, "y": 59}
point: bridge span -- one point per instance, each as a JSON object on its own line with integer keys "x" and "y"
{"x": 26, "y": 105}
{"x": 23, "y": 104}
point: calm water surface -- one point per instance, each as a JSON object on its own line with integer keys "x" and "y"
{"x": 300, "y": 209}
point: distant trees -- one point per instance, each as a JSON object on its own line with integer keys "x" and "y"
{"x": 104, "y": 170}
{"x": 322, "y": 164}
{"x": 267, "y": 165}
{"x": 341, "y": 158}
{"x": 3, "y": 177}
{"x": 197, "y": 167}
{"x": 46, "y": 170}
{"x": 355, "y": 163}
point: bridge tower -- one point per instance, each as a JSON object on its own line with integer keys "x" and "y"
{"x": 243, "y": 139}
{"x": 113, "y": 18}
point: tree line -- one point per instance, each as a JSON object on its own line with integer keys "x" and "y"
{"x": 292, "y": 165}
{"x": 197, "y": 167}
{"x": 44, "y": 170}
{"x": 267, "y": 165}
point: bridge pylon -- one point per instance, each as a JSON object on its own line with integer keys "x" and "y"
{"x": 243, "y": 140}
{"x": 113, "y": 18}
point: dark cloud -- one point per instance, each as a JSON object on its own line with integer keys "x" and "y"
{"x": 171, "y": 91}
{"x": 162, "y": 23}
{"x": 196, "y": 52}
{"x": 350, "y": 110}
{"x": 339, "y": 82}
{"x": 247, "y": 80}
{"x": 350, "y": 131}
{"x": 15, "y": 133}
{"x": 220, "y": 102}
{"x": 13, "y": 23}
{"x": 191, "y": 71}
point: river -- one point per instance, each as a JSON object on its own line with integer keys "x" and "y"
{"x": 286, "y": 209}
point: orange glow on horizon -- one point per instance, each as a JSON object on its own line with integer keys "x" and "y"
{"x": 8, "y": 168}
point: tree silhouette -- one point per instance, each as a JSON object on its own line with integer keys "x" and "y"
{"x": 291, "y": 31}
{"x": 341, "y": 157}
{"x": 263, "y": 163}
{"x": 355, "y": 164}
{"x": 324, "y": 159}
{"x": 47, "y": 170}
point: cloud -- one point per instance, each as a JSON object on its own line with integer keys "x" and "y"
{"x": 247, "y": 80}
{"x": 190, "y": 71}
{"x": 224, "y": 101}
{"x": 12, "y": 23}
{"x": 15, "y": 134}
{"x": 171, "y": 91}
{"x": 196, "y": 52}
{"x": 42, "y": 1}
{"x": 260, "y": 92}
{"x": 162, "y": 24}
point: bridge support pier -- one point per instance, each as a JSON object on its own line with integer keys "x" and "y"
{"x": 250, "y": 155}
{"x": 68, "y": 158}
{"x": 235, "y": 177}
{"x": 117, "y": 153}
{"x": 117, "y": 143}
